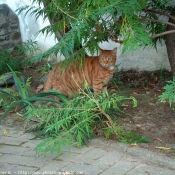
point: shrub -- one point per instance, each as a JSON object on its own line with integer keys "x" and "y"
{"x": 169, "y": 93}
{"x": 5, "y": 57}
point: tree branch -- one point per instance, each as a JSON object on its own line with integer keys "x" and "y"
{"x": 151, "y": 37}
{"x": 153, "y": 20}
{"x": 162, "y": 34}
{"x": 158, "y": 21}
{"x": 160, "y": 13}
{"x": 114, "y": 38}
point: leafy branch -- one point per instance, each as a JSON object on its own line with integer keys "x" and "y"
{"x": 72, "y": 124}
{"x": 169, "y": 93}
{"x": 158, "y": 12}
{"x": 87, "y": 23}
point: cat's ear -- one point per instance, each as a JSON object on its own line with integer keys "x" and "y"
{"x": 114, "y": 50}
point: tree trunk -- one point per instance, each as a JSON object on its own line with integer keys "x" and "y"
{"x": 170, "y": 44}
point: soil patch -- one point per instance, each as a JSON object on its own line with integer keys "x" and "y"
{"x": 151, "y": 118}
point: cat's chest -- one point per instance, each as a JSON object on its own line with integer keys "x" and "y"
{"x": 107, "y": 79}
{"x": 104, "y": 75}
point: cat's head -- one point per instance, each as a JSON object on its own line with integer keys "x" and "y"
{"x": 107, "y": 58}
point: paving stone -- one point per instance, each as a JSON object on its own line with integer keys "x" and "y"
{"x": 13, "y": 132}
{"x": 80, "y": 150}
{"x": 122, "y": 167}
{"x": 145, "y": 169}
{"x": 12, "y": 141}
{"x": 153, "y": 157}
{"x": 19, "y": 150}
{"x": 28, "y": 136}
{"x": 14, "y": 150}
{"x": 95, "y": 154}
{"x": 70, "y": 157}
{"x": 31, "y": 153}
{"x": 77, "y": 168}
{"x": 23, "y": 160}
{"x": 55, "y": 165}
{"x": 109, "y": 159}
{"x": 109, "y": 144}
{"x": 48, "y": 156}
{"x": 86, "y": 158}
{"x": 32, "y": 143}
{"x": 15, "y": 169}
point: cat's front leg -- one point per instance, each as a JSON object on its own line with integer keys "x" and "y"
{"x": 97, "y": 88}
{"x": 104, "y": 88}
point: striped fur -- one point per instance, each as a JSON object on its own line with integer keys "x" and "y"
{"x": 97, "y": 71}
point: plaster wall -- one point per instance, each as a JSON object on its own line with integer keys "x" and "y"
{"x": 147, "y": 59}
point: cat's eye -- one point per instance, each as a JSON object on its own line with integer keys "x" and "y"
{"x": 109, "y": 59}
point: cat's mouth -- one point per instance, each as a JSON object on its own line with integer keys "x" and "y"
{"x": 111, "y": 67}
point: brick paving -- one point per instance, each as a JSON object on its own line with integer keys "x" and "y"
{"x": 99, "y": 157}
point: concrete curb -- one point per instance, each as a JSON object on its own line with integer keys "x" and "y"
{"x": 144, "y": 154}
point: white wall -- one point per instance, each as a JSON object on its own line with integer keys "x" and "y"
{"x": 147, "y": 59}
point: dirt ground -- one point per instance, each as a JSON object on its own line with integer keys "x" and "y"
{"x": 151, "y": 118}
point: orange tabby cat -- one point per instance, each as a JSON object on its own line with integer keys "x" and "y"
{"x": 97, "y": 71}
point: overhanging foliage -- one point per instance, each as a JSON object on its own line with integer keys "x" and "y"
{"x": 76, "y": 23}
